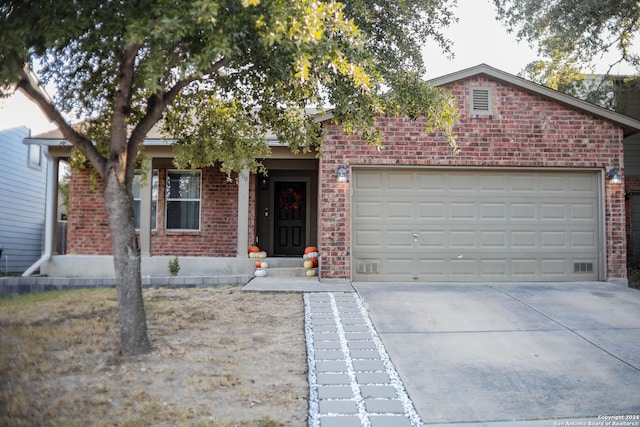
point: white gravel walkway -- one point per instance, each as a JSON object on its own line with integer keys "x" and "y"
{"x": 352, "y": 381}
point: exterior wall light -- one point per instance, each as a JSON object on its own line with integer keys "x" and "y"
{"x": 342, "y": 174}
{"x": 615, "y": 177}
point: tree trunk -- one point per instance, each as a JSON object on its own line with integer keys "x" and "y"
{"x": 126, "y": 256}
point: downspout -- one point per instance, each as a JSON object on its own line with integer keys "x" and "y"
{"x": 50, "y": 213}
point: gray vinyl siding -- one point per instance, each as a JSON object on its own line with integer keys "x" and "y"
{"x": 22, "y": 202}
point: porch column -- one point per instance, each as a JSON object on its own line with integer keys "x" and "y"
{"x": 243, "y": 213}
{"x": 146, "y": 189}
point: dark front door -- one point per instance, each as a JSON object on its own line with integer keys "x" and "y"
{"x": 290, "y": 217}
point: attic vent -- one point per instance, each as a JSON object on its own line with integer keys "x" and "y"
{"x": 480, "y": 100}
{"x": 583, "y": 267}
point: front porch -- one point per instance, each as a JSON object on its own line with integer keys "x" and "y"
{"x": 209, "y": 231}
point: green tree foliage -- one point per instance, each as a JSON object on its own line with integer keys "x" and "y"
{"x": 572, "y": 35}
{"x": 220, "y": 74}
{"x": 578, "y": 31}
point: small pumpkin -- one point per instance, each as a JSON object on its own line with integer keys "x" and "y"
{"x": 310, "y": 249}
{"x": 314, "y": 261}
{"x": 258, "y": 264}
{"x": 308, "y": 264}
{"x": 312, "y": 255}
{"x": 311, "y": 273}
{"x": 264, "y": 264}
{"x": 260, "y": 273}
{"x": 253, "y": 249}
{"x": 261, "y": 254}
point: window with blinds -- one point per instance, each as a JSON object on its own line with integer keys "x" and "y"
{"x": 183, "y": 200}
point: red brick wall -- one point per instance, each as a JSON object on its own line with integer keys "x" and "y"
{"x": 89, "y": 231}
{"x": 87, "y": 226}
{"x": 524, "y": 131}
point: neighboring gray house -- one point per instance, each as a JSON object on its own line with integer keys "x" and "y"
{"x": 23, "y": 181}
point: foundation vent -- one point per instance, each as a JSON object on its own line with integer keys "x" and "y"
{"x": 583, "y": 267}
{"x": 367, "y": 267}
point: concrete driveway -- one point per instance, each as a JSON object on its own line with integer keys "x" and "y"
{"x": 543, "y": 354}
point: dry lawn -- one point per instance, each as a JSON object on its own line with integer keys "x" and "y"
{"x": 221, "y": 357}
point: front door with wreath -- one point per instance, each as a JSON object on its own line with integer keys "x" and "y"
{"x": 290, "y": 217}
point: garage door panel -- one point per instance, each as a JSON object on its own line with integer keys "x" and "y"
{"x": 554, "y": 239}
{"x": 523, "y": 183}
{"x": 553, "y": 184}
{"x": 493, "y": 183}
{"x": 524, "y": 239}
{"x": 368, "y": 239}
{"x": 493, "y": 211}
{"x": 553, "y": 267}
{"x": 520, "y": 267}
{"x": 580, "y": 211}
{"x": 461, "y": 269}
{"x": 523, "y": 211}
{"x": 399, "y": 240}
{"x": 432, "y": 210}
{"x": 581, "y": 186}
{"x": 367, "y": 210}
{"x": 462, "y": 182}
{"x": 399, "y": 211}
{"x": 459, "y": 210}
{"x": 431, "y": 239}
{"x": 431, "y": 184}
{"x": 400, "y": 181}
{"x": 494, "y": 268}
{"x": 553, "y": 211}
{"x": 494, "y": 239}
{"x": 584, "y": 239}
{"x": 478, "y": 225}
{"x": 462, "y": 239}
{"x": 368, "y": 180}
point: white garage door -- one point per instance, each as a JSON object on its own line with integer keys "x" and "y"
{"x": 475, "y": 225}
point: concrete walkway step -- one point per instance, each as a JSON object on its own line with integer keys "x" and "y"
{"x": 297, "y": 284}
{"x": 352, "y": 381}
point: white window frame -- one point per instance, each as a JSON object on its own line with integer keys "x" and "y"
{"x": 480, "y": 112}
{"x": 154, "y": 199}
{"x": 34, "y": 156}
{"x": 169, "y": 199}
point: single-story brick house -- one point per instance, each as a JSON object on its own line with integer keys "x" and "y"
{"x": 536, "y": 194}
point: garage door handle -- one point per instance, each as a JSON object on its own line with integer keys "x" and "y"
{"x": 415, "y": 237}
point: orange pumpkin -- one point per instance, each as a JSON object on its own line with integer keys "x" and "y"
{"x": 314, "y": 261}
{"x": 310, "y": 249}
{"x": 254, "y": 249}
{"x": 258, "y": 264}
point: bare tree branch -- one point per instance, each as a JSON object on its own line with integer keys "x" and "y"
{"x": 30, "y": 87}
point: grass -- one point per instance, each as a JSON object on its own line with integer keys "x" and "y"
{"x": 221, "y": 357}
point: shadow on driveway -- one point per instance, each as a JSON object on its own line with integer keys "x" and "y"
{"x": 499, "y": 353}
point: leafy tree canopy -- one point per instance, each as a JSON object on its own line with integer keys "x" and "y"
{"x": 240, "y": 67}
{"x": 572, "y": 35}
{"x": 577, "y": 31}
{"x": 221, "y": 74}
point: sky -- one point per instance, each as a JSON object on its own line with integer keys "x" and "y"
{"x": 477, "y": 38}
